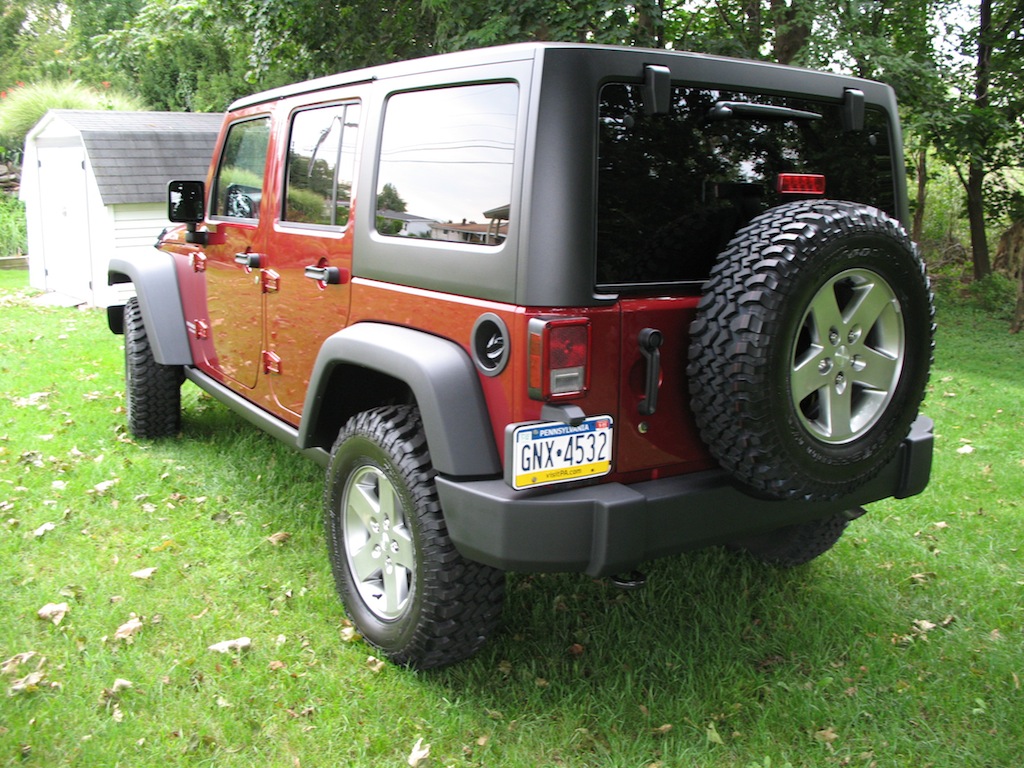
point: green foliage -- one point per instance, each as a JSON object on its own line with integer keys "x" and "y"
{"x": 23, "y": 107}
{"x": 182, "y": 55}
{"x": 13, "y": 234}
{"x": 901, "y": 647}
{"x": 995, "y": 293}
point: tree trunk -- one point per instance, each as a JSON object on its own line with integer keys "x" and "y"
{"x": 791, "y": 29}
{"x": 976, "y": 172}
{"x": 976, "y": 217}
{"x": 922, "y": 193}
{"x": 1009, "y": 261}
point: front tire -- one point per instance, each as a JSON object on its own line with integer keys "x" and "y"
{"x": 152, "y": 390}
{"x": 404, "y": 586}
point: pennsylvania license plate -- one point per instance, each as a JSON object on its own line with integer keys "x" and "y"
{"x": 553, "y": 452}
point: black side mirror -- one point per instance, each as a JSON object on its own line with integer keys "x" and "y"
{"x": 186, "y": 202}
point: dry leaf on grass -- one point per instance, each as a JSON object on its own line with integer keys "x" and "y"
{"x": 143, "y": 573}
{"x": 279, "y": 538}
{"x": 43, "y": 529}
{"x": 227, "y": 646}
{"x": 53, "y": 612}
{"x": 420, "y": 752}
{"x": 10, "y": 666}
{"x": 128, "y": 629}
{"x": 374, "y": 664}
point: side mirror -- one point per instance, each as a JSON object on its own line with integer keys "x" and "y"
{"x": 186, "y": 202}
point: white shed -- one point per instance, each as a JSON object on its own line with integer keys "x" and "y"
{"x": 94, "y": 185}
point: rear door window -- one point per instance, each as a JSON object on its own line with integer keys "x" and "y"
{"x": 321, "y": 165}
{"x": 446, "y": 161}
{"x": 673, "y": 189}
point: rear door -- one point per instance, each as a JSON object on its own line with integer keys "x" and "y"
{"x": 673, "y": 190}
{"x": 310, "y": 255}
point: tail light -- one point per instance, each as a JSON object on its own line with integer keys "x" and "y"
{"x": 800, "y": 184}
{"x": 559, "y": 352}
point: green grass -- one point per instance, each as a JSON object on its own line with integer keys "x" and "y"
{"x": 904, "y": 646}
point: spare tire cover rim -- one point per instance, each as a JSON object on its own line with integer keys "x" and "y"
{"x": 848, "y": 356}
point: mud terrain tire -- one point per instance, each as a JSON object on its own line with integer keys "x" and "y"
{"x": 152, "y": 390}
{"x": 404, "y": 586}
{"x": 811, "y": 348}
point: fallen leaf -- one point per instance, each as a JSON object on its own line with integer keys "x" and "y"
{"x": 279, "y": 538}
{"x": 374, "y": 664}
{"x": 826, "y": 735}
{"x": 712, "y": 734}
{"x": 28, "y": 684}
{"x": 276, "y": 665}
{"x": 940, "y": 525}
{"x": 43, "y": 529}
{"x": 350, "y": 635}
{"x": 226, "y": 646}
{"x": 965, "y": 449}
{"x": 102, "y": 488}
{"x": 10, "y": 666}
{"x": 662, "y": 730}
{"x": 128, "y": 629}
{"x": 143, "y": 573}
{"x": 420, "y": 752}
{"x": 53, "y": 612}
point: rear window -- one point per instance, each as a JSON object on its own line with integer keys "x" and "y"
{"x": 673, "y": 189}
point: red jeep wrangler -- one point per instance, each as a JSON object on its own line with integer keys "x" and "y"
{"x": 549, "y": 308}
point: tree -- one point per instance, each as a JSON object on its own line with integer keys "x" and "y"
{"x": 982, "y": 132}
{"x": 187, "y": 55}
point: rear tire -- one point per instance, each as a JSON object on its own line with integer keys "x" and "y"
{"x": 152, "y": 390}
{"x": 405, "y": 587}
{"x": 797, "y": 544}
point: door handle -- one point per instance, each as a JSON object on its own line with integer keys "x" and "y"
{"x": 249, "y": 260}
{"x": 328, "y": 275}
{"x": 650, "y": 347}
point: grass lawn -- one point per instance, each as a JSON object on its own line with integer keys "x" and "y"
{"x": 904, "y": 646}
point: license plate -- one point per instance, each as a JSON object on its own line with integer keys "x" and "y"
{"x": 553, "y": 452}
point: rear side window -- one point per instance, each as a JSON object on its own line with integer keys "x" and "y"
{"x": 673, "y": 189}
{"x": 321, "y": 165}
{"x": 238, "y": 189}
{"x": 446, "y": 157}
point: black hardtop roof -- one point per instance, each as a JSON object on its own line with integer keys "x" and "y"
{"x": 527, "y": 51}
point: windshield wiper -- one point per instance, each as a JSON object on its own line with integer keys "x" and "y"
{"x": 729, "y": 110}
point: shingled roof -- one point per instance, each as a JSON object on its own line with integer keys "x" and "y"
{"x": 134, "y": 154}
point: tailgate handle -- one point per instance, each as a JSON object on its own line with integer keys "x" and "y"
{"x": 650, "y": 347}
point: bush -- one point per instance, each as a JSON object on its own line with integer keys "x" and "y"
{"x": 995, "y": 293}
{"x": 13, "y": 234}
{"x": 23, "y": 107}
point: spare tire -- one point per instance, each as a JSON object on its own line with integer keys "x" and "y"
{"x": 811, "y": 348}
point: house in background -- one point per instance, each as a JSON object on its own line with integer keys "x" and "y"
{"x": 94, "y": 184}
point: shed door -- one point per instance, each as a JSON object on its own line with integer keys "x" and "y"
{"x": 65, "y": 206}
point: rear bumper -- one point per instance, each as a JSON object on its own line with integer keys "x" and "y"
{"x": 610, "y": 528}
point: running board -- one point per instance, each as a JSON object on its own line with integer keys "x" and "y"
{"x": 266, "y": 421}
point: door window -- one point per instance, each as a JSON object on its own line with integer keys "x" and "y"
{"x": 238, "y": 189}
{"x": 321, "y": 165}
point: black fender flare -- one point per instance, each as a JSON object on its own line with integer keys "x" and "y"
{"x": 156, "y": 285}
{"x": 442, "y": 378}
